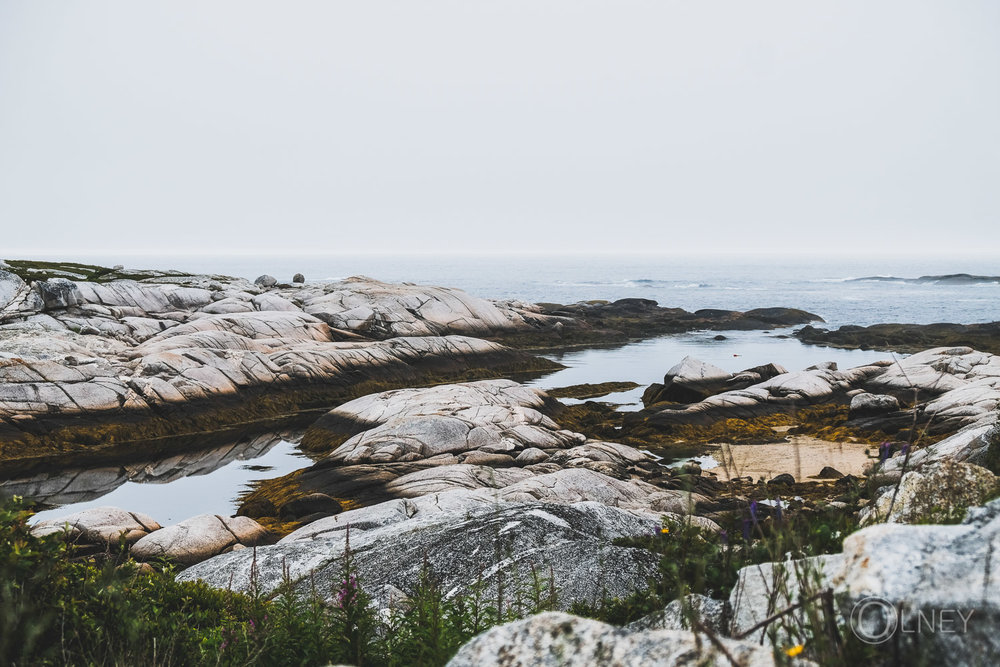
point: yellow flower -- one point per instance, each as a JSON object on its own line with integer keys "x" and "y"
{"x": 795, "y": 650}
{"x": 664, "y": 530}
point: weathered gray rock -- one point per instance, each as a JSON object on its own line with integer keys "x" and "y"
{"x": 768, "y": 588}
{"x": 689, "y": 381}
{"x": 866, "y": 405}
{"x": 266, "y": 281}
{"x": 198, "y": 538}
{"x": 382, "y": 310}
{"x": 298, "y": 278}
{"x": 554, "y": 639}
{"x": 530, "y": 456}
{"x": 678, "y": 615}
{"x": 937, "y": 493}
{"x": 464, "y": 543}
{"x": 944, "y": 572}
{"x": 11, "y": 287}
{"x": 961, "y": 387}
{"x": 492, "y": 416}
{"x": 101, "y": 525}
{"x": 71, "y": 347}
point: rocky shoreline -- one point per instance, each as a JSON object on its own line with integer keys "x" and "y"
{"x": 434, "y": 458}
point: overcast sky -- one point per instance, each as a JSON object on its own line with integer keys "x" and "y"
{"x": 574, "y": 125}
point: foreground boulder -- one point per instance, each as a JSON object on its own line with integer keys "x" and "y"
{"x": 560, "y": 640}
{"x": 938, "y": 597}
{"x": 924, "y": 594}
{"x": 466, "y": 542}
{"x": 678, "y": 615}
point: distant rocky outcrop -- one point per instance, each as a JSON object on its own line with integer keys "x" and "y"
{"x": 946, "y": 279}
{"x": 957, "y": 390}
{"x": 906, "y": 337}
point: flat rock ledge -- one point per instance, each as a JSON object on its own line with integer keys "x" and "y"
{"x": 109, "y": 351}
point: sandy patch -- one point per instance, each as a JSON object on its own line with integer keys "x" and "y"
{"x": 803, "y": 457}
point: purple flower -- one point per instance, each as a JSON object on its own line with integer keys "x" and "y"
{"x": 746, "y": 530}
{"x": 753, "y": 511}
{"x": 884, "y": 450}
{"x": 724, "y": 536}
{"x": 906, "y": 449}
{"x": 347, "y": 590}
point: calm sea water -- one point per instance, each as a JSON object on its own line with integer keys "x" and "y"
{"x": 820, "y": 285}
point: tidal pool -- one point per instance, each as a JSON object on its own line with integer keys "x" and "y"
{"x": 174, "y": 488}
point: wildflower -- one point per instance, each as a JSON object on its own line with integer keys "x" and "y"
{"x": 347, "y": 591}
{"x": 724, "y": 537}
{"x": 906, "y": 449}
{"x": 884, "y": 450}
{"x": 753, "y": 511}
{"x": 795, "y": 650}
{"x": 746, "y": 530}
{"x": 664, "y": 530}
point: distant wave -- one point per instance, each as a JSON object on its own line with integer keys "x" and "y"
{"x": 949, "y": 279}
{"x": 634, "y": 283}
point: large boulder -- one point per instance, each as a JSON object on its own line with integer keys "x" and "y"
{"x": 470, "y": 541}
{"x": 938, "y": 493}
{"x": 927, "y": 593}
{"x": 867, "y": 405}
{"x": 553, "y": 639}
{"x": 11, "y": 287}
{"x": 198, "y": 538}
{"x": 689, "y": 381}
{"x": 764, "y": 590}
